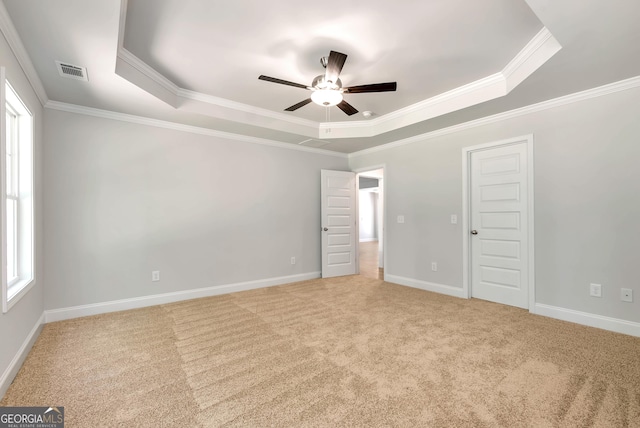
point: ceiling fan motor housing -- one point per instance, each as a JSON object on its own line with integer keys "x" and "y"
{"x": 320, "y": 82}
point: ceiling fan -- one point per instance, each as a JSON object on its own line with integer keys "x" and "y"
{"x": 327, "y": 88}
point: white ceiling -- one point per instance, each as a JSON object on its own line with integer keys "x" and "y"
{"x": 221, "y": 51}
{"x": 197, "y": 62}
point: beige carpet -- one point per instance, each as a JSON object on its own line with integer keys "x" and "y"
{"x": 350, "y": 351}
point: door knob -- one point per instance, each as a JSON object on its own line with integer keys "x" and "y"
{"x": 474, "y": 232}
{"x": 325, "y": 229}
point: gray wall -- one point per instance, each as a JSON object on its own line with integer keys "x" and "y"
{"x": 124, "y": 199}
{"x": 587, "y": 202}
{"x": 16, "y": 324}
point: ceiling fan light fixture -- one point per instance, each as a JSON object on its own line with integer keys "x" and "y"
{"x": 326, "y": 97}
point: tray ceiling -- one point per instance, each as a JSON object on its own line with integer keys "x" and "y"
{"x": 197, "y": 63}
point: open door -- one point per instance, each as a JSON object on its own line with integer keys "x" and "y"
{"x": 338, "y": 214}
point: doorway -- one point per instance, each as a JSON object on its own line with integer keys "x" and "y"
{"x": 498, "y": 223}
{"x": 371, "y": 223}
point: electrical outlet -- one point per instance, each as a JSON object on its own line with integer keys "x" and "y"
{"x": 293, "y": 260}
{"x": 155, "y": 275}
{"x": 454, "y": 219}
{"x": 626, "y": 295}
{"x": 595, "y": 290}
{"x": 400, "y": 219}
{"x": 434, "y": 266}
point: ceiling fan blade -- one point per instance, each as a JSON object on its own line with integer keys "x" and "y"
{"x": 334, "y": 66}
{"x": 347, "y": 108}
{"x": 282, "y": 82}
{"x": 375, "y": 87}
{"x": 297, "y": 106}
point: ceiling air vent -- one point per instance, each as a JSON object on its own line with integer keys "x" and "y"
{"x": 72, "y": 71}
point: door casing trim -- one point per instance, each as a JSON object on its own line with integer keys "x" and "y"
{"x": 466, "y": 215}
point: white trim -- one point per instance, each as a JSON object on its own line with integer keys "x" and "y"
{"x": 466, "y": 205}
{"x": 122, "y": 22}
{"x": 496, "y": 79}
{"x": 588, "y": 94}
{"x": 14, "y": 366}
{"x": 3, "y": 192}
{"x": 427, "y": 286}
{"x": 539, "y": 50}
{"x": 141, "y": 120}
{"x": 24, "y": 287}
{"x": 161, "y": 87}
{"x": 521, "y": 58}
{"x": 368, "y": 240}
{"x": 26, "y": 124}
{"x": 15, "y": 43}
{"x": 532, "y": 56}
{"x": 584, "y": 318}
{"x": 149, "y": 72}
{"x": 245, "y": 108}
{"x": 161, "y": 299}
{"x": 145, "y": 69}
{"x": 531, "y": 221}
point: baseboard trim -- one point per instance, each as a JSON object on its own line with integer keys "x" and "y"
{"x": 427, "y": 286}
{"x": 368, "y": 239}
{"x": 592, "y": 320}
{"x": 53, "y": 315}
{"x": 15, "y": 364}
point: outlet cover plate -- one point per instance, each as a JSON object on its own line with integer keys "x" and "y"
{"x": 595, "y": 290}
{"x": 626, "y": 295}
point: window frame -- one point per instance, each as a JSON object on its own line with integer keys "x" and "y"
{"x": 12, "y": 190}
{"x": 21, "y": 148}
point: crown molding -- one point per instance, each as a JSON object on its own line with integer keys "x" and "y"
{"x": 141, "y": 120}
{"x": 246, "y": 108}
{"x": 133, "y": 69}
{"x": 473, "y": 93}
{"x": 539, "y": 50}
{"x": 148, "y": 71}
{"x": 136, "y": 71}
{"x": 122, "y": 23}
{"x": 623, "y": 85}
{"x": 15, "y": 43}
{"x": 177, "y": 94}
{"x": 535, "y": 53}
{"x": 521, "y": 58}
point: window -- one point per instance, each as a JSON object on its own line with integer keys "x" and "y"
{"x": 17, "y": 201}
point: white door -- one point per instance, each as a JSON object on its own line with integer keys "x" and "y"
{"x": 499, "y": 259}
{"x": 338, "y": 211}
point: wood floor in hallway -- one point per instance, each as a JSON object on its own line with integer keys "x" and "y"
{"x": 369, "y": 260}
